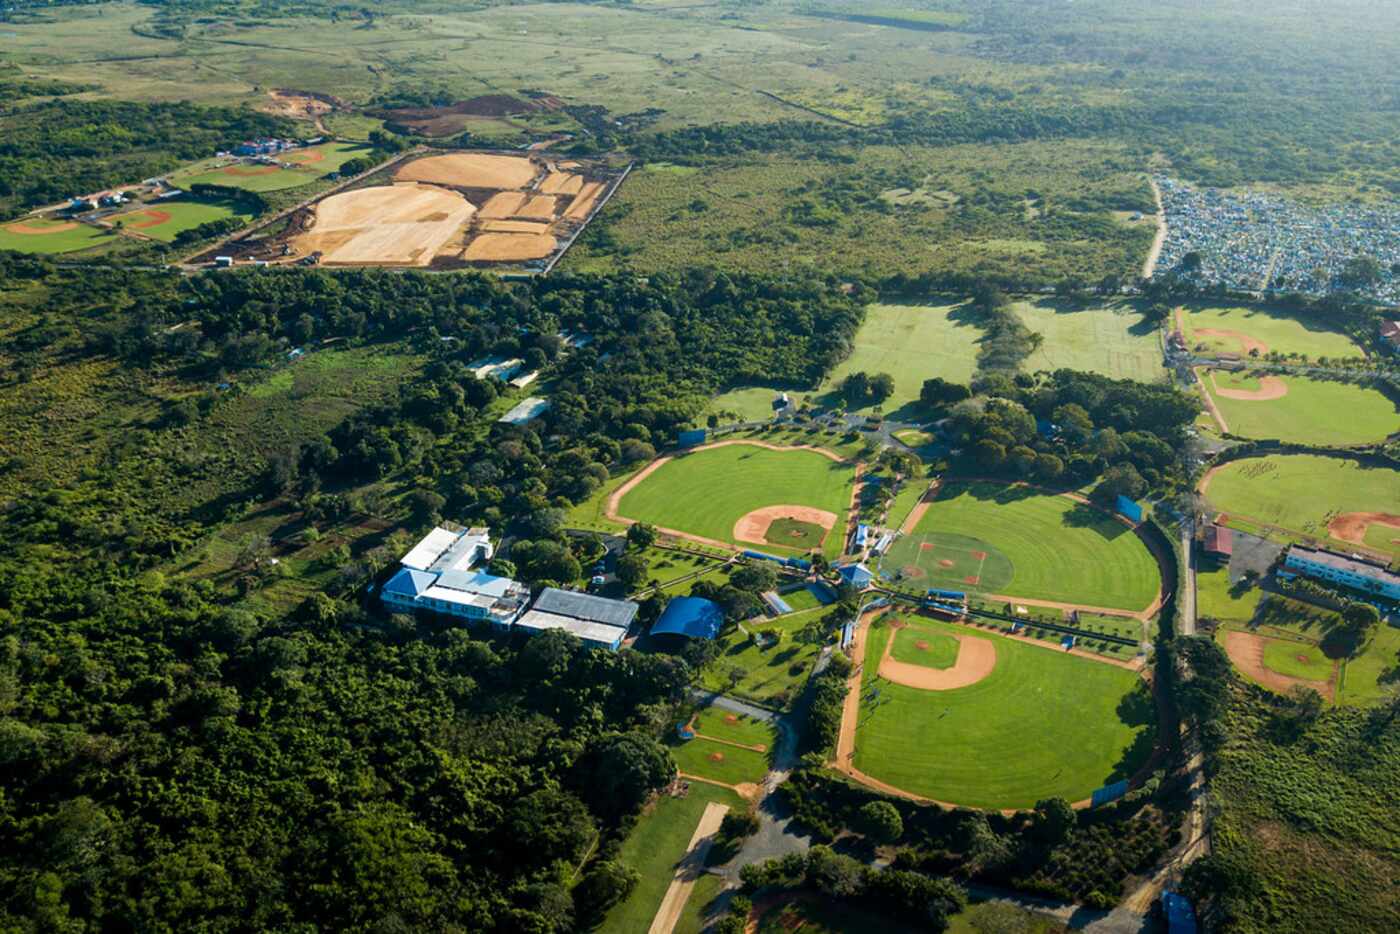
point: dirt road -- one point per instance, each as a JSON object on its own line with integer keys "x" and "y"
{"x": 688, "y": 870}
{"x": 1149, "y": 265}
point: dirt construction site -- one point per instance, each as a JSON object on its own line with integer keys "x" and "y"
{"x": 445, "y": 211}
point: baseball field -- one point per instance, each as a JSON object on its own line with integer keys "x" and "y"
{"x": 1311, "y": 495}
{"x": 1019, "y": 542}
{"x": 733, "y": 493}
{"x": 164, "y": 221}
{"x": 1301, "y": 410}
{"x": 1241, "y": 330}
{"x": 1042, "y": 723}
{"x": 49, "y": 236}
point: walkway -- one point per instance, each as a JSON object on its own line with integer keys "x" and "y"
{"x": 688, "y": 869}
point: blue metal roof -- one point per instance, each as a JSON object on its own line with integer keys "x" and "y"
{"x": 693, "y": 617}
{"x": 410, "y": 583}
{"x": 856, "y": 574}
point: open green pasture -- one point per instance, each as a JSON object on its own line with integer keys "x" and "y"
{"x": 1308, "y": 413}
{"x": 1281, "y": 331}
{"x": 705, "y": 492}
{"x": 1111, "y": 339}
{"x": 1301, "y": 493}
{"x": 1043, "y": 723}
{"x": 1026, "y": 543}
{"x": 164, "y": 220}
{"x": 656, "y": 844}
{"x": 49, "y": 236}
{"x": 922, "y": 645}
{"x": 913, "y": 343}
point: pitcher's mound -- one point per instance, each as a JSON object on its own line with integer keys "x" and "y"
{"x": 716, "y": 757}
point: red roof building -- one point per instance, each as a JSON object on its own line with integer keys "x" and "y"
{"x": 1220, "y": 541}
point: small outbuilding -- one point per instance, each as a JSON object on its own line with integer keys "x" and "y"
{"x": 857, "y": 575}
{"x": 690, "y": 618}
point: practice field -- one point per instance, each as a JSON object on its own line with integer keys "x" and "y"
{"x": 707, "y": 492}
{"x": 1020, "y": 542}
{"x": 1302, "y": 410}
{"x": 46, "y": 236}
{"x": 1309, "y": 495}
{"x": 1043, "y": 723}
{"x": 913, "y": 343}
{"x": 404, "y": 224}
{"x": 249, "y": 177}
{"x": 327, "y": 157}
{"x": 166, "y": 219}
{"x": 1113, "y": 340}
{"x": 1297, "y": 660}
{"x": 1239, "y": 330}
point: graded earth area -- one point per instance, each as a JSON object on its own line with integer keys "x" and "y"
{"x": 402, "y": 224}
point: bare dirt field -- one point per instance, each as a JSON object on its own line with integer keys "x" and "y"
{"x": 503, "y": 204}
{"x": 976, "y": 659}
{"x": 499, "y": 247}
{"x": 562, "y": 183}
{"x": 1246, "y": 650}
{"x": 753, "y": 527}
{"x": 302, "y": 105}
{"x": 402, "y": 225}
{"x": 526, "y": 227}
{"x": 1352, "y": 526}
{"x": 583, "y": 203}
{"x": 540, "y": 206}
{"x": 1270, "y": 387}
{"x": 471, "y": 170}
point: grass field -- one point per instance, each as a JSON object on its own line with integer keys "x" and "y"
{"x": 921, "y": 645}
{"x": 1297, "y": 660}
{"x": 747, "y": 404}
{"x": 804, "y": 598}
{"x": 913, "y": 343}
{"x": 654, "y": 847}
{"x": 707, "y": 491}
{"x": 247, "y": 177}
{"x": 1370, "y": 677}
{"x": 49, "y": 236}
{"x": 1112, "y": 340}
{"x": 1043, "y": 723}
{"x": 1018, "y": 542}
{"x": 327, "y": 157}
{"x": 1216, "y": 598}
{"x": 1281, "y": 331}
{"x": 736, "y": 728}
{"x": 793, "y": 533}
{"x": 1303, "y": 492}
{"x": 770, "y": 676}
{"x": 719, "y": 762}
{"x": 167, "y": 219}
{"x": 1308, "y": 413}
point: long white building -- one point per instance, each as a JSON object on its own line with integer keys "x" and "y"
{"x": 444, "y": 573}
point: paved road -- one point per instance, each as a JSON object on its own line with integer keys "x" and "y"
{"x": 1188, "y": 579}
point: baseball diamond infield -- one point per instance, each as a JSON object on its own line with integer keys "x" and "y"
{"x": 754, "y": 527}
{"x": 976, "y": 658}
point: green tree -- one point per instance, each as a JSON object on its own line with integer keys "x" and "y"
{"x": 879, "y": 822}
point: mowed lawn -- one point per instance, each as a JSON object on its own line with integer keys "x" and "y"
{"x": 747, "y": 404}
{"x": 249, "y": 177}
{"x": 773, "y": 675}
{"x": 1043, "y": 723}
{"x": 913, "y": 343}
{"x": 46, "y": 236}
{"x": 1112, "y": 340}
{"x": 720, "y": 762}
{"x": 328, "y": 157}
{"x": 705, "y": 492}
{"x": 1303, "y": 492}
{"x": 920, "y": 645}
{"x": 654, "y": 847}
{"x": 1308, "y": 414}
{"x": 1282, "y": 331}
{"x": 1060, "y": 550}
{"x": 164, "y": 220}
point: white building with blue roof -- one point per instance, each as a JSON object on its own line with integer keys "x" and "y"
{"x": 444, "y": 574}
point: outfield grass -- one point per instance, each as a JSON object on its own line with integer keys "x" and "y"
{"x": 1043, "y": 723}
{"x": 184, "y": 215}
{"x": 654, "y": 847}
{"x": 705, "y": 492}
{"x": 918, "y": 645}
{"x": 57, "y": 238}
{"x": 1283, "y": 331}
{"x": 913, "y": 343}
{"x": 716, "y": 723}
{"x": 1308, "y": 413}
{"x": 1297, "y": 660}
{"x": 1058, "y": 549}
{"x": 1112, "y": 340}
{"x": 1302, "y": 492}
{"x": 328, "y": 157}
{"x": 1215, "y": 598}
{"x": 1370, "y": 677}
